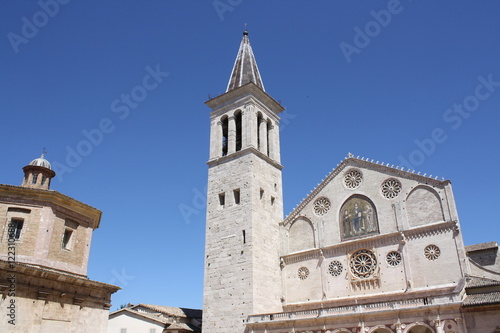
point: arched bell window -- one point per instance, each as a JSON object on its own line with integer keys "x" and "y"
{"x": 225, "y": 137}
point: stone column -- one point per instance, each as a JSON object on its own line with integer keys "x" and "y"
{"x": 249, "y": 128}
{"x": 231, "y": 135}
{"x": 461, "y": 325}
{"x": 263, "y": 136}
{"x": 272, "y": 142}
{"x": 215, "y": 139}
{"x": 276, "y": 131}
{"x": 439, "y": 325}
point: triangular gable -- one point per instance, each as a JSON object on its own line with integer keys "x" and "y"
{"x": 139, "y": 315}
{"x": 351, "y": 161}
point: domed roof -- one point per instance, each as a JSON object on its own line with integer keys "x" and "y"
{"x": 41, "y": 161}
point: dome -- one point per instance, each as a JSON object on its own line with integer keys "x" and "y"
{"x": 41, "y": 161}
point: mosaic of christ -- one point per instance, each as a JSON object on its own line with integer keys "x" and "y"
{"x": 358, "y": 218}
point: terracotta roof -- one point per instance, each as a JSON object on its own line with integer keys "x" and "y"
{"x": 479, "y": 282}
{"x": 172, "y": 311}
{"x": 182, "y": 327}
{"x": 482, "y": 299}
{"x": 155, "y": 317}
{"x": 245, "y": 67}
{"x": 163, "y": 314}
{"x": 481, "y": 246}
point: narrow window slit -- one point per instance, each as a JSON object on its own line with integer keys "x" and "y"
{"x": 222, "y": 199}
{"x": 236, "y": 194}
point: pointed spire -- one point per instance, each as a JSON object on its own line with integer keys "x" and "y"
{"x": 245, "y": 67}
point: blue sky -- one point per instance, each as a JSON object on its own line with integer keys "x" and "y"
{"x": 413, "y": 83}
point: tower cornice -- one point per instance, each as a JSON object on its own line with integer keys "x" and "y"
{"x": 248, "y": 89}
{"x": 238, "y": 154}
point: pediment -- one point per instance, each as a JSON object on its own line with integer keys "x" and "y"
{"x": 364, "y": 177}
{"x": 361, "y": 199}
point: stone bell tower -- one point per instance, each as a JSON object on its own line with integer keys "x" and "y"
{"x": 244, "y": 201}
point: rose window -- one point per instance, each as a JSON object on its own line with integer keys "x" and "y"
{"x": 335, "y": 268}
{"x": 432, "y": 252}
{"x": 391, "y": 188}
{"x": 321, "y": 206}
{"x": 363, "y": 263}
{"x": 303, "y": 273}
{"x": 393, "y": 258}
{"x": 352, "y": 179}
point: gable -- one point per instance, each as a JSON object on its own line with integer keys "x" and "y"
{"x": 360, "y": 199}
{"x": 134, "y": 321}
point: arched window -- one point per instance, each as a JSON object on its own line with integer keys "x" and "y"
{"x": 301, "y": 235}
{"x": 423, "y": 206}
{"x": 382, "y": 330}
{"x": 259, "y": 119}
{"x": 268, "y": 128}
{"x": 225, "y": 138}
{"x": 237, "y": 117}
{"x": 420, "y": 328}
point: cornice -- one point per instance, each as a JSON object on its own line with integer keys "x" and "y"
{"x": 345, "y": 247}
{"x": 247, "y": 89}
{"x": 56, "y": 275}
{"x": 371, "y": 242}
{"x": 243, "y": 152}
{"x": 431, "y": 229}
{"x": 9, "y": 193}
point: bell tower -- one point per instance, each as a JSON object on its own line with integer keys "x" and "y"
{"x": 38, "y": 174}
{"x": 244, "y": 201}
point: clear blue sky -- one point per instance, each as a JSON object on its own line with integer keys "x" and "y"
{"x": 402, "y": 80}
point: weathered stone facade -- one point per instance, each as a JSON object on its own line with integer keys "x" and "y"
{"x": 244, "y": 206}
{"x": 44, "y": 249}
{"x": 373, "y": 248}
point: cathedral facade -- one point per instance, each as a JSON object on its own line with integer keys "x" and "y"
{"x": 373, "y": 248}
